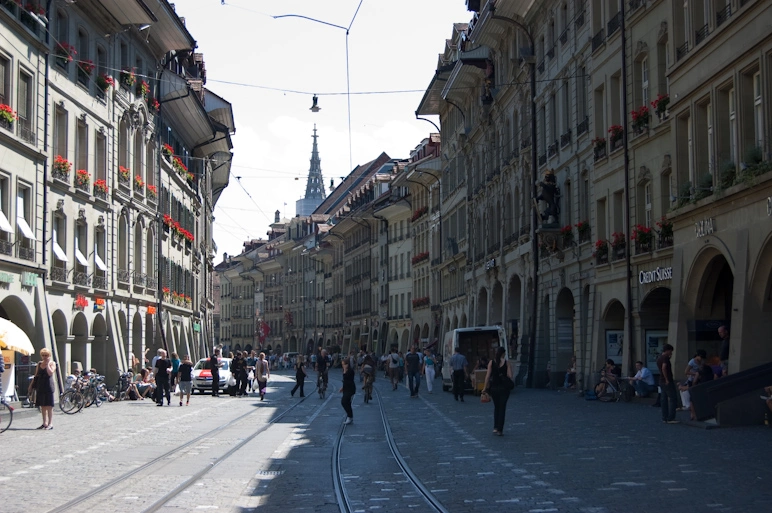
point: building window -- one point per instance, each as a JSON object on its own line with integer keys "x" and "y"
{"x": 99, "y": 249}
{"x": 139, "y": 154}
{"x": 711, "y": 150}
{"x": 62, "y": 32}
{"x": 60, "y": 132}
{"x": 59, "y": 240}
{"x": 647, "y": 204}
{"x": 566, "y": 106}
{"x": 81, "y": 246}
{"x": 732, "y": 125}
{"x": 690, "y": 151}
{"x": 24, "y": 213}
{"x": 645, "y": 81}
{"x": 24, "y": 107}
{"x": 100, "y": 157}
{"x": 124, "y": 56}
{"x": 81, "y": 148}
{"x": 5, "y": 226}
{"x": 585, "y": 203}
{"x": 5, "y": 80}
{"x": 758, "y": 112}
{"x": 568, "y": 206}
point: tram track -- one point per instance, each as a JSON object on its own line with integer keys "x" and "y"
{"x": 164, "y": 458}
{"x": 344, "y": 498}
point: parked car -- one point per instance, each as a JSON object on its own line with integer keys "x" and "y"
{"x": 202, "y": 375}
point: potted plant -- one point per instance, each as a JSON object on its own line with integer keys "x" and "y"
{"x": 86, "y": 67}
{"x": 105, "y": 82}
{"x": 100, "y": 186}
{"x": 154, "y": 105}
{"x": 615, "y": 134}
{"x": 127, "y": 77}
{"x": 641, "y": 119}
{"x": 7, "y": 115}
{"x": 179, "y": 166}
{"x": 583, "y": 228}
{"x": 167, "y": 294}
{"x": 123, "y": 174}
{"x": 82, "y": 179}
{"x": 642, "y": 237}
{"x": 152, "y": 191}
{"x": 568, "y": 234}
{"x": 64, "y": 53}
{"x": 665, "y": 232}
{"x": 618, "y": 244}
{"x": 143, "y": 89}
{"x": 190, "y": 176}
{"x": 139, "y": 184}
{"x": 601, "y": 251}
{"x": 599, "y": 147}
{"x": 61, "y": 168}
{"x": 167, "y": 151}
{"x": 660, "y": 105}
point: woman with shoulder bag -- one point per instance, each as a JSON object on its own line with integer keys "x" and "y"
{"x": 498, "y": 384}
{"x": 300, "y": 376}
{"x": 262, "y": 373}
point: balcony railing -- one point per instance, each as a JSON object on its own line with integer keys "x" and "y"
{"x": 551, "y": 53}
{"x": 27, "y": 253}
{"x": 100, "y": 282}
{"x": 723, "y": 15}
{"x": 6, "y": 247}
{"x": 24, "y": 130}
{"x": 583, "y": 126}
{"x": 60, "y": 175}
{"x": 617, "y": 253}
{"x": 151, "y": 282}
{"x": 540, "y": 67}
{"x": 81, "y": 278}
{"x": 643, "y": 248}
{"x": 139, "y": 279}
{"x": 665, "y": 242}
{"x": 552, "y": 149}
{"x": 682, "y": 50}
{"x": 564, "y": 37}
{"x": 542, "y": 159}
{"x": 579, "y": 19}
{"x": 59, "y": 274}
{"x": 100, "y": 194}
{"x": 565, "y": 138}
{"x": 701, "y": 34}
{"x": 601, "y": 258}
{"x": 634, "y": 4}
{"x": 614, "y": 23}
{"x": 598, "y": 39}
{"x": 124, "y": 275}
{"x": 600, "y": 152}
{"x": 82, "y": 186}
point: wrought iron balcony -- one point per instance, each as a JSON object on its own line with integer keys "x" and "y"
{"x": 552, "y": 149}
{"x": 723, "y": 15}
{"x": 542, "y": 159}
{"x": 6, "y": 248}
{"x": 700, "y": 35}
{"x": 27, "y": 253}
{"x": 551, "y": 53}
{"x": 151, "y": 282}
{"x": 81, "y": 278}
{"x": 564, "y": 37}
{"x": 100, "y": 282}
{"x": 25, "y": 130}
{"x": 682, "y": 50}
{"x": 634, "y": 4}
{"x": 665, "y": 242}
{"x": 60, "y": 175}
{"x": 601, "y": 258}
{"x": 82, "y": 186}
{"x": 59, "y": 274}
{"x": 598, "y": 39}
{"x": 614, "y": 23}
{"x": 540, "y": 67}
{"x": 565, "y": 138}
{"x": 641, "y": 248}
{"x": 583, "y": 126}
{"x": 599, "y": 151}
{"x": 124, "y": 275}
{"x": 579, "y": 19}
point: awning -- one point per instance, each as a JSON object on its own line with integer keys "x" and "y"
{"x": 184, "y": 111}
{"x": 59, "y": 252}
{"x": 4, "y": 224}
{"x": 221, "y": 173}
{"x": 13, "y": 338}
{"x": 169, "y": 33}
{"x": 219, "y": 109}
{"x": 129, "y": 12}
{"x": 81, "y": 258}
{"x": 220, "y": 144}
{"x": 430, "y": 103}
{"x": 99, "y": 262}
{"x": 25, "y": 229}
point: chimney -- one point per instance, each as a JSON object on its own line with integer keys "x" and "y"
{"x": 332, "y": 184}
{"x": 276, "y": 217}
{"x": 225, "y": 257}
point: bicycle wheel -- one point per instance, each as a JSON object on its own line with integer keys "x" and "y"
{"x": 6, "y": 416}
{"x": 607, "y": 395}
{"x": 71, "y": 402}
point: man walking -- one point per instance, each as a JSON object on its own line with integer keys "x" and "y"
{"x": 669, "y": 396}
{"x": 413, "y": 364}
{"x": 394, "y": 368}
{"x": 214, "y": 366}
{"x": 162, "y": 370}
{"x": 460, "y": 368}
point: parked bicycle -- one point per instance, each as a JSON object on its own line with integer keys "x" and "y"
{"x": 612, "y": 389}
{"x": 121, "y": 388}
{"x": 6, "y": 414}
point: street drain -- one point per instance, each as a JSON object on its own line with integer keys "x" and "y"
{"x": 270, "y": 472}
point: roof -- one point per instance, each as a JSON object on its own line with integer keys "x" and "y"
{"x": 351, "y": 183}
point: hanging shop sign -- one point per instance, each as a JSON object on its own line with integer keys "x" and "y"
{"x": 490, "y": 264}
{"x": 99, "y": 304}
{"x": 29, "y": 279}
{"x": 658, "y": 274}
{"x": 80, "y": 302}
{"x": 196, "y": 327}
{"x": 7, "y": 278}
{"x": 151, "y": 310}
{"x": 705, "y": 227}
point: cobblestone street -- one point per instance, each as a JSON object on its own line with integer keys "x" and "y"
{"x": 559, "y": 453}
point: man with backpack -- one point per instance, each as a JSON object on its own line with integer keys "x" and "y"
{"x": 394, "y": 368}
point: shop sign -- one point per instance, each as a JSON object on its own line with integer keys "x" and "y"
{"x": 196, "y": 327}
{"x": 705, "y": 227}
{"x": 151, "y": 310}
{"x": 658, "y": 274}
{"x": 99, "y": 304}
{"x": 7, "y": 278}
{"x": 490, "y": 264}
{"x": 769, "y": 206}
{"x": 80, "y": 302}
{"x": 29, "y": 279}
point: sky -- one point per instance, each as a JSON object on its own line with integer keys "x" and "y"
{"x": 269, "y": 69}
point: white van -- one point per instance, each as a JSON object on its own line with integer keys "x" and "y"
{"x": 474, "y": 343}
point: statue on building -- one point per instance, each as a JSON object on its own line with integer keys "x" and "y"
{"x": 550, "y": 194}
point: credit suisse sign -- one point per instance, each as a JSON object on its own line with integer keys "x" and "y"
{"x": 656, "y": 275}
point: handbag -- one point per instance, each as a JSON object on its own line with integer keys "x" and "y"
{"x": 251, "y": 375}
{"x": 485, "y": 398}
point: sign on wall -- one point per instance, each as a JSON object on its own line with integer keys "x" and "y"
{"x": 655, "y": 340}
{"x": 615, "y": 345}
{"x": 655, "y": 275}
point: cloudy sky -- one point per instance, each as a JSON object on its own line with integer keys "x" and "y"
{"x": 269, "y": 69}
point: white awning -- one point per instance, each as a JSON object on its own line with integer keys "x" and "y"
{"x": 81, "y": 258}
{"x": 4, "y": 224}
{"x": 25, "y": 229}
{"x": 59, "y": 252}
{"x": 99, "y": 262}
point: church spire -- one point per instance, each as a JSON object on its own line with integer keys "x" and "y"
{"x": 315, "y": 184}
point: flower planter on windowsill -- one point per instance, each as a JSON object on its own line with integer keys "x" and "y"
{"x": 60, "y": 176}
{"x": 8, "y": 125}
